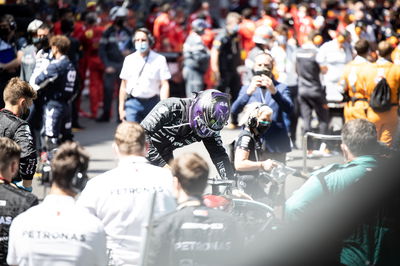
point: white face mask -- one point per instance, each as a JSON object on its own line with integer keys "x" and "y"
{"x": 141, "y": 46}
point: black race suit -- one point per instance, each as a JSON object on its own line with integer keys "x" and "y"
{"x": 167, "y": 128}
{"x": 13, "y": 201}
{"x": 13, "y": 127}
{"x": 194, "y": 235}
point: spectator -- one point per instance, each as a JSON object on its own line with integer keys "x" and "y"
{"x": 144, "y": 79}
{"x": 225, "y": 58}
{"x": 28, "y": 60}
{"x": 193, "y": 222}
{"x": 311, "y": 93}
{"x": 174, "y": 123}
{"x": 161, "y": 26}
{"x": 58, "y": 81}
{"x": 121, "y": 196}
{"x": 42, "y": 61}
{"x": 359, "y": 147}
{"x": 57, "y": 231}
{"x": 196, "y": 58}
{"x": 265, "y": 89}
{"x": 18, "y": 96}
{"x": 284, "y": 53}
{"x": 357, "y": 104}
{"x": 248, "y": 159}
{"x": 91, "y": 61}
{"x": 115, "y": 44}
{"x": 10, "y": 51}
{"x": 13, "y": 200}
{"x": 332, "y": 57}
{"x": 385, "y": 122}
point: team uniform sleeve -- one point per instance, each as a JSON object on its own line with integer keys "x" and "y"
{"x": 219, "y": 157}
{"x": 157, "y": 118}
{"x": 28, "y": 160}
{"x": 47, "y": 76}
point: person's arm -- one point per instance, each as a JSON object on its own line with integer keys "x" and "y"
{"x": 121, "y": 104}
{"x": 158, "y": 117}
{"x": 13, "y": 64}
{"x": 219, "y": 156}
{"x": 103, "y": 53}
{"x": 28, "y": 161}
{"x": 164, "y": 90}
{"x": 47, "y": 76}
{"x": 214, "y": 61}
{"x": 282, "y": 97}
{"x": 165, "y": 75}
{"x": 242, "y": 162}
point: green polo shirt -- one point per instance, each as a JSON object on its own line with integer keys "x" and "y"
{"x": 364, "y": 245}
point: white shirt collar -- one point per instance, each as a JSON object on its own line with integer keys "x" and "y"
{"x": 132, "y": 159}
{"x": 360, "y": 59}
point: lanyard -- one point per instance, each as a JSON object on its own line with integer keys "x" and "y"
{"x": 140, "y": 72}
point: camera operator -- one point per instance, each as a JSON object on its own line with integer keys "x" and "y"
{"x": 193, "y": 234}
{"x": 248, "y": 159}
{"x": 265, "y": 89}
{"x": 58, "y": 231}
{"x": 13, "y": 201}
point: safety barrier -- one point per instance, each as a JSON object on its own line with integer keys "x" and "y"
{"x": 316, "y": 136}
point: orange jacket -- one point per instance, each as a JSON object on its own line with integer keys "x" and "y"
{"x": 350, "y": 78}
{"x": 371, "y": 74}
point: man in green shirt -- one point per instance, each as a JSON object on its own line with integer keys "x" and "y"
{"x": 364, "y": 245}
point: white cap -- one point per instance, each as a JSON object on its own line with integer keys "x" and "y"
{"x": 118, "y": 11}
{"x": 34, "y": 25}
{"x": 262, "y": 34}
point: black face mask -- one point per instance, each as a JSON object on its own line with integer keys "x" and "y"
{"x": 4, "y": 32}
{"x": 263, "y": 127}
{"x": 119, "y": 22}
{"x": 42, "y": 43}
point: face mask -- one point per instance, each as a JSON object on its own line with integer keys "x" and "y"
{"x": 119, "y": 22}
{"x": 263, "y": 127}
{"x": 282, "y": 40}
{"x": 43, "y": 43}
{"x": 4, "y": 32}
{"x": 235, "y": 29}
{"x": 141, "y": 46}
{"x": 35, "y": 40}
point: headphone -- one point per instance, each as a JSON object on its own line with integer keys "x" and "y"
{"x": 252, "y": 121}
{"x": 148, "y": 34}
{"x": 79, "y": 180}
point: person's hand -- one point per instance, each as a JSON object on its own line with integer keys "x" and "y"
{"x": 122, "y": 114}
{"x": 256, "y": 81}
{"x": 110, "y": 70}
{"x": 217, "y": 76}
{"x": 268, "y": 165}
{"x": 268, "y": 83}
{"x": 240, "y": 194}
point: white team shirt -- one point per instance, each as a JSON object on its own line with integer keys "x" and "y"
{"x": 148, "y": 83}
{"x": 120, "y": 198}
{"x": 57, "y": 232}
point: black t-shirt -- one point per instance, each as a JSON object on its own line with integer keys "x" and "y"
{"x": 13, "y": 201}
{"x": 248, "y": 142}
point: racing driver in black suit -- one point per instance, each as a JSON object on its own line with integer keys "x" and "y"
{"x": 176, "y": 122}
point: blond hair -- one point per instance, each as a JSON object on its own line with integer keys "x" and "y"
{"x": 17, "y": 89}
{"x": 130, "y": 138}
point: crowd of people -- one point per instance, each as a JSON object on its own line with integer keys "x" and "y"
{"x": 254, "y": 65}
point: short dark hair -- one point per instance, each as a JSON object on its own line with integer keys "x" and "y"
{"x": 16, "y": 89}
{"x": 192, "y": 173}
{"x": 69, "y": 158}
{"x": 384, "y": 49}
{"x": 360, "y": 136}
{"x": 9, "y": 150}
{"x": 362, "y": 47}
